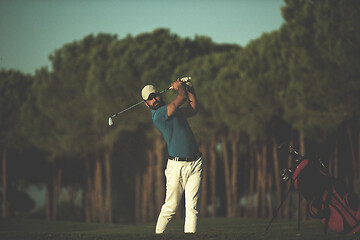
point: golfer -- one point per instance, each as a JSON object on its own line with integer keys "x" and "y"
{"x": 184, "y": 166}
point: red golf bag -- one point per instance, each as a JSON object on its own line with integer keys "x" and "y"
{"x": 328, "y": 200}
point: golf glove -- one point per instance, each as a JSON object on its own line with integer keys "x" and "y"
{"x": 186, "y": 80}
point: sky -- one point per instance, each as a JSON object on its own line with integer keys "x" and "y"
{"x": 31, "y": 30}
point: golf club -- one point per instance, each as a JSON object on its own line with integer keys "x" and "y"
{"x": 111, "y": 118}
{"x": 184, "y": 79}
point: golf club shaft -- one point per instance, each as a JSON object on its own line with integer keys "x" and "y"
{"x": 186, "y": 79}
{"x": 138, "y": 103}
{"x": 127, "y": 108}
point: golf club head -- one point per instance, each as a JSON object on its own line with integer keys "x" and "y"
{"x": 110, "y": 121}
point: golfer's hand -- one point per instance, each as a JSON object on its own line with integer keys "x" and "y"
{"x": 186, "y": 80}
{"x": 176, "y": 85}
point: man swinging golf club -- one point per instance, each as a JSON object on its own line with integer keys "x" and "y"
{"x": 184, "y": 166}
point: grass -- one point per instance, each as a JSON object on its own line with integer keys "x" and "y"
{"x": 209, "y": 229}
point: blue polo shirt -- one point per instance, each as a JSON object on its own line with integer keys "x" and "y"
{"x": 176, "y": 131}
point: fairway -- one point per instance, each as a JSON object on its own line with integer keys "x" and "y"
{"x": 209, "y": 229}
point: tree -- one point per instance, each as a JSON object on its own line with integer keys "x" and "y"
{"x": 161, "y": 54}
{"x": 13, "y": 88}
{"x": 321, "y": 61}
{"x": 207, "y": 123}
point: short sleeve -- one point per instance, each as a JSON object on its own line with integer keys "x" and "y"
{"x": 160, "y": 115}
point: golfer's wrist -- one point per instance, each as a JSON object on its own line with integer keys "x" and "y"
{"x": 181, "y": 88}
{"x": 182, "y": 91}
{"x": 190, "y": 89}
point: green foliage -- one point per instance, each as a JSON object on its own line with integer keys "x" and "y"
{"x": 306, "y": 73}
{"x": 13, "y": 88}
{"x": 249, "y": 87}
{"x": 204, "y": 71}
{"x": 96, "y": 77}
{"x": 323, "y": 64}
{"x": 39, "y": 128}
{"x": 297, "y": 73}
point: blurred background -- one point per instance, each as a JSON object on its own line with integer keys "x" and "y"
{"x": 265, "y": 72}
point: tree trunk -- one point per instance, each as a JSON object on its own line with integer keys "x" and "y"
{"x": 145, "y": 196}
{"x": 57, "y": 175}
{"x": 250, "y": 198}
{"x": 269, "y": 186}
{"x": 263, "y": 178}
{"x": 357, "y": 183}
{"x": 331, "y": 164}
{"x": 5, "y": 207}
{"x": 234, "y": 174}
{"x": 258, "y": 184}
{"x": 147, "y": 186}
{"x": 276, "y": 171}
{"x": 204, "y": 186}
{"x": 336, "y": 159}
{"x": 302, "y": 149}
{"x": 353, "y": 157}
{"x": 227, "y": 176}
{"x": 244, "y": 187}
{"x": 138, "y": 196}
{"x": 160, "y": 179}
{"x": 213, "y": 174}
{"x": 150, "y": 180}
{"x": 108, "y": 185}
{"x": 48, "y": 201}
{"x": 358, "y": 160}
{"x": 89, "y": 214}
{"x": 99, "y": 192}
{"x": 49, "y": 192}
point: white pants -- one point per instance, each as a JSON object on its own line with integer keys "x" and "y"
{"x": 180, "y": 177}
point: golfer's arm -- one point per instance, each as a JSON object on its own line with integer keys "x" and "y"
{"x": 177, "y": 102}
{"x": 191, "y": 109}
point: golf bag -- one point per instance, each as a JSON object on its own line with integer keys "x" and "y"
{"x": 328, "y": 200}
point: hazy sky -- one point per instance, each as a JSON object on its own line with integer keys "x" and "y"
{"x": 30, "y": 30}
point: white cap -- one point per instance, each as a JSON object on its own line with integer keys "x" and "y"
{"x": 147, "y": 90}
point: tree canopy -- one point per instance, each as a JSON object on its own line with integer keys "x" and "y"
{"x": 305, "y": 74}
